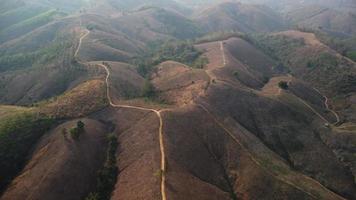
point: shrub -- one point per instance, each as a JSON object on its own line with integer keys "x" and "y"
{"x": 92, "y": 196}
{"x": 108, "y": 174}
{"x": 80, "y": 125}
{"x": 283, "y": 85}
{"x": 156, "y": 53}
{"x": 75, "y": 132}
{"x": 351, "y": 55}
{"x": 148, "y": 90}
{"x": 236, "y": 74}
{"x": 200, "y": 62}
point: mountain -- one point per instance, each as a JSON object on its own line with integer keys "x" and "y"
{"x": 332, "y": 21}
{"x": 240, "y": 17}
{"x": 176, "y": 100}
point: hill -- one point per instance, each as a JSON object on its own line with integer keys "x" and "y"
{"x": 239, "y": 17}
{"x": 335, "y": 22}
{"x": 126, "y": 100}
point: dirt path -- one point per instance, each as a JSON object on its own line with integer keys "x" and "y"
{"x": 213, "y": 77}
{"x": 222, "y": 48}
{"x": 80, "y": 43}
{"x": 327, "y": 106}
{"x": 157, "y": 112}
{"x": 271, "y": 89}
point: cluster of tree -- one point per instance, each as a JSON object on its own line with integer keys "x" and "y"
{"x": 183, "y": 52}
{"x": 218, "y": 36}
{"x": 75, "y": 132}
{"x": 148, "y": 90}
{"x": 323, "y": 60}
{"x": 275, "y": 46}
{"x": 18, "y": 134}
{"x": 108, "y": 174}
{"x": 58, "y": 49}
{"x": 283, "y": 85}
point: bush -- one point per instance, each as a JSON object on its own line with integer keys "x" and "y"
{"x": 183, "y": 52}
{"x": 75, "y": 132}
{"x": 236, "y": 74}
{"x": 351, "y": 55}
{"x": 200, "y": 62}
{"x": 283, "y": 85}
{"x": 80, "y": 125}
{"x": 148, "y": 90}
{"x": 108, "y": 174}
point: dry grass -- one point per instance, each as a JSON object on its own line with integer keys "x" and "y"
{"x": 6, "y": 111}
{"x": 84, "y": 99}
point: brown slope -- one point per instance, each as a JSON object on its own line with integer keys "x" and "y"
{"x": 61, "y": 168}
{"x": 138, "y": 154}
{"x": 304, "y": 108}
{"x": 179, "y": 84}
{"x": 224, "y": 168}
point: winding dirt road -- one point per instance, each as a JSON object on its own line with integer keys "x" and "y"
{"x": 234, "y": 138}
{"x": 326, "y": 103}
{"x": 157, "y": 112}
{"x": 222, "y": 48}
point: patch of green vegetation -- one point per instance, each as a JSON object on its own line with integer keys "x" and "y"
{"x": 283, "y": 85}
{"x": 158, "y": 52}
{"x": 345, "y": 46}
{"x": 200, "y": 62}
{"x": 274, "y": 167}
{"x": 18, "y": 134}
{"x": 275, "y": 46}
{"x": 28, "y": 24}
{"x": 323, "y": 60}
{"x": 183, "y": 52}
{"x": 108, "y": 174}
{"x": 351, "y": 55}
{"x": 236, "y": 74}
{"x": 148, "y": 90}
{"x": 91, "y": 27}
{"x": 57, "y": 49}
{"x": 14, "y": 16}
{"x": 75, "y": 132}
{"x": 218, "y": 36}
{"x": 158, "y": 173}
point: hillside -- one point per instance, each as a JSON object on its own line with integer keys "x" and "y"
{"x": 239, "y": 17}
{"x": 335, "y": 22}
{"x": 127, "y": 100}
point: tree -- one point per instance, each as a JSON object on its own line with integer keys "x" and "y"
{"x": 75, "y": 132}
{"x": 148, "y": 90}
{"x": 283, "y": 85}
{"x": 80, "y": 125}
{"x": 92, "y": 196}
{"x": 107, "y": 176}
